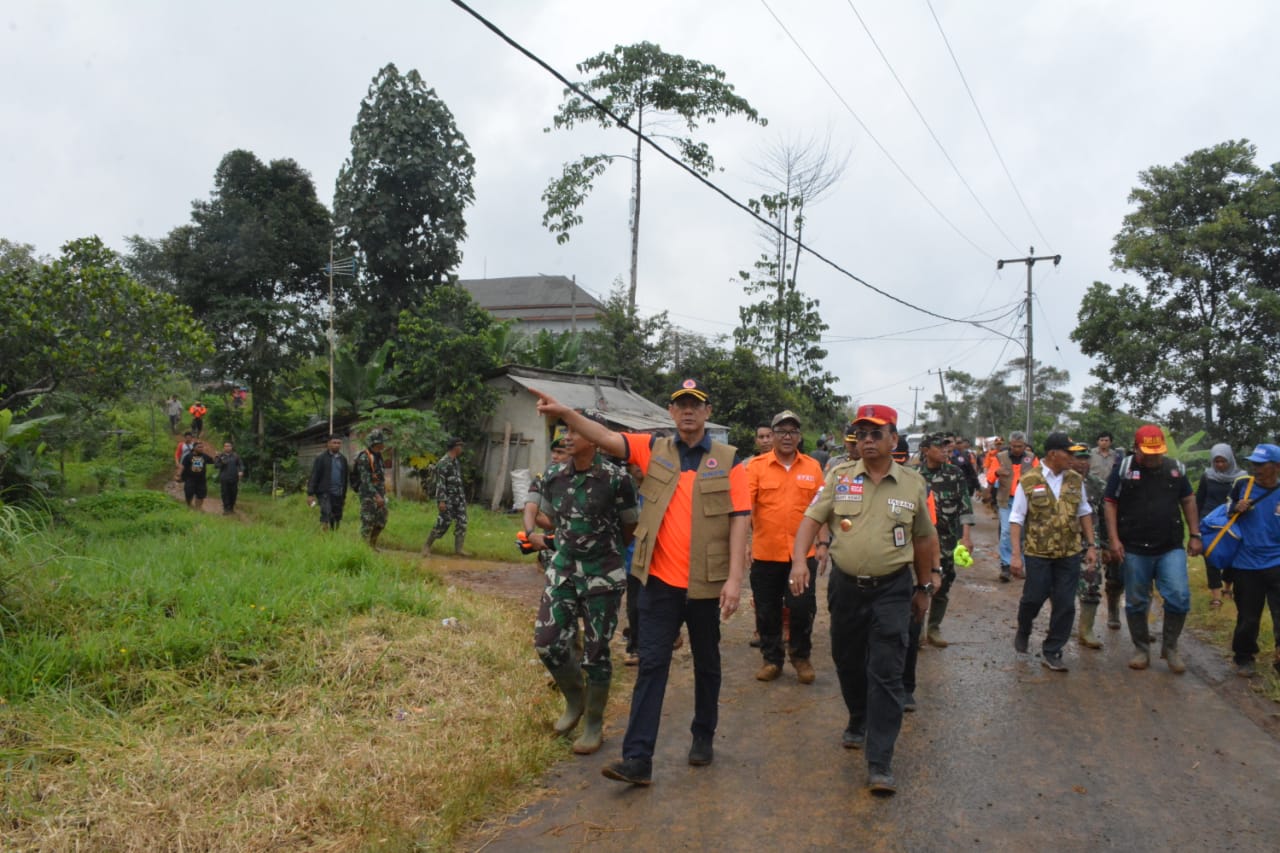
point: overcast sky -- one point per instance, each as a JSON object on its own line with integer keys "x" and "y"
{"x": 116, "y": 115}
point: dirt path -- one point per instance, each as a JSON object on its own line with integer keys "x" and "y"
{"x": 1002, "y": 755}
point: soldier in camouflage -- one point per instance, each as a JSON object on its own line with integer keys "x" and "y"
{"x": 593, "y": 505}
{"x": 1091, "y": 581}
{"x": 370, "y": 482}
{"x": 950, "y": 489}
{"x": 450, "y": 499}
{"x": 534, "y": 520}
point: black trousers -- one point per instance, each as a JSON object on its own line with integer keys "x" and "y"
{"x": 1254, "y": 588}
{"x": 230, "y": 491}
{"x": 771, "y": 591}
{"x": 869, "y": 648}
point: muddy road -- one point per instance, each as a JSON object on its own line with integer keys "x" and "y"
{"x": 1001, "y": 755}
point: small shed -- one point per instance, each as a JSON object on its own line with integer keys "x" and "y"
{"x": 518, "y": 438}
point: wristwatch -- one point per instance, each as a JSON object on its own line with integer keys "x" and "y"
{"x": 926, "y": 588}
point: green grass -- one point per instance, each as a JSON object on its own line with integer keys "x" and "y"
{"x": 170, "y": 677}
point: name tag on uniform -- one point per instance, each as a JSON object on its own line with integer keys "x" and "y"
{"x": 899, "y": 535}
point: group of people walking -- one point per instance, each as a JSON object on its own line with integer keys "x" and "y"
{"x": 1078, "y": 522}
{"x": 867, "y": 517}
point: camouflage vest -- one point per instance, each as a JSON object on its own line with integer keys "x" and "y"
{"x": 1050, "y": 527}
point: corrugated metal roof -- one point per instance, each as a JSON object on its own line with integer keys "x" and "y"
{"x": 604, "y": 394}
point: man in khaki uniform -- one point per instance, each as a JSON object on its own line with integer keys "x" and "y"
{"x": 872, "y": 516}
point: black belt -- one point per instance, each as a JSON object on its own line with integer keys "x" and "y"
{"x": 874, "y": 581}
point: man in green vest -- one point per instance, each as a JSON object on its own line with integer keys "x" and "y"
{"x": 1050, "y": 504}
{"x": 690, "y": 554}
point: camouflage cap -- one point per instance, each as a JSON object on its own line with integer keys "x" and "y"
{"x": 376, "y": 436}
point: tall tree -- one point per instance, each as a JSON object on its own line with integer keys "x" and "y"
{"x": 445, "y": 349}
{"x": 82, "y": 325}
{"x": 629, "y": 345}
{"x": 647, "y": 89}
{"x": 400, "y": 199}
{"x": 251, "y": 266}
{"x": 1205, "y": 329}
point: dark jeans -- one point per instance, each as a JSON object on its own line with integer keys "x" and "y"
{"x": 1254, "y": 587}
{"x": 230, "y": 491}
{"x": 869, "y": 649}
{"x": 330, "y": 510}
{"x": 633, "y": 614}
{"x": 1055, "y": 581}
{"x": 771, "y": 591}
{"x": 663, "y": 609}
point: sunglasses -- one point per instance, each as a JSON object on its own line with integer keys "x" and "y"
{"x": 873, "y": 434}
{"x": 786, "y": 433}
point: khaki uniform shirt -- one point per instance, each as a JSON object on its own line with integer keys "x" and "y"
{"x": 872, "y": 525}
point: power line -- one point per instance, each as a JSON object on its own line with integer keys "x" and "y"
{"x": 872, "y": 136}
{"x": 946, "y": 154}
{"x": 983, "y": 120}
{"x": 577, "y": 90}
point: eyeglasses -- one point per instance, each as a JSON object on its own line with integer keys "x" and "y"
{"x": 786, "y": 433}
{"x": 873, "y": 434}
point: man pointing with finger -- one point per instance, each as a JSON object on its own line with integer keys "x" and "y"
{"x": 690, "y": 554}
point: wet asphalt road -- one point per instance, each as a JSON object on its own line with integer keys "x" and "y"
{"x": 1002, "y": 755}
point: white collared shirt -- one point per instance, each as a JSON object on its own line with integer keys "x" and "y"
{"x": 1018, "y": 512}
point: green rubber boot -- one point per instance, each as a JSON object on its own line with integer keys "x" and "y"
{"x": 1088, "y": 613}
{"x": 1173, "y": 623}
{"x": 933, "y": 634}
{"x": 593, "y": 723}
{"x": 569, "y": 679}
{"x": 1140, "y": 634}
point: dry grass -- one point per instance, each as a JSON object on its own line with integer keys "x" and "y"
{"x": 408, "y": 731}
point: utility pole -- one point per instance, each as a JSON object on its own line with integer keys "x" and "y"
{"x": 915, "y": 406}
{"x": 946, "y": 404}
{"x": 1030, "y": 261}
{"x": 343, "y": 267}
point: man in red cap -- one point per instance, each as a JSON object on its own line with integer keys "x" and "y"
{"x": 872, "y": 518}
{"x": 690, "y": 554}
{"x": 1147, "y": 498}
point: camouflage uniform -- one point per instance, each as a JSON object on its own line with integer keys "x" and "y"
{"x": 449, "y": 492}
{"x": 370, "y": 480}
{"x": 955, "y": 509}
{"x": 1095, "y": 488}
{"x": 588, "y": 572}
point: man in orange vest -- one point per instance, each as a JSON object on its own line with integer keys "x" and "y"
{"x": 1003, "y": 473}
{"x": 690, "y": 554}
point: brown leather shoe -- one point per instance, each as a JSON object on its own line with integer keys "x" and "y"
{"x": 804, "y": 671}
{"x": 768, "y": 672}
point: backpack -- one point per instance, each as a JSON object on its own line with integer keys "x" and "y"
{"x": 1221, "y": 541}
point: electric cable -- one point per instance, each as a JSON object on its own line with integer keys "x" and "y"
{"x": 920, "y": 115}
{"x": 867, "y": 130}
{"x": 577, "y": 90}
{"x": 991, "y": 138}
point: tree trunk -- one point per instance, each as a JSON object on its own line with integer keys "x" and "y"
{"x": 635, "y": 218}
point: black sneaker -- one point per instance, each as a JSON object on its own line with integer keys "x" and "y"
{"x": 1054, "y": 662}
{"x": 909, "y": 702}
{"x": 1005, "y": 576}
{"x": 881, "y": 783}
{"x": 853, "y": 739}
{"x": 633, "y": 771}
{"x": 1020, "y": 643}
{"x": 701, "y": 753}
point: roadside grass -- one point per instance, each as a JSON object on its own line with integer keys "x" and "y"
{"x": 1216, "y": 625}
{"x": 175, "y": 680}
